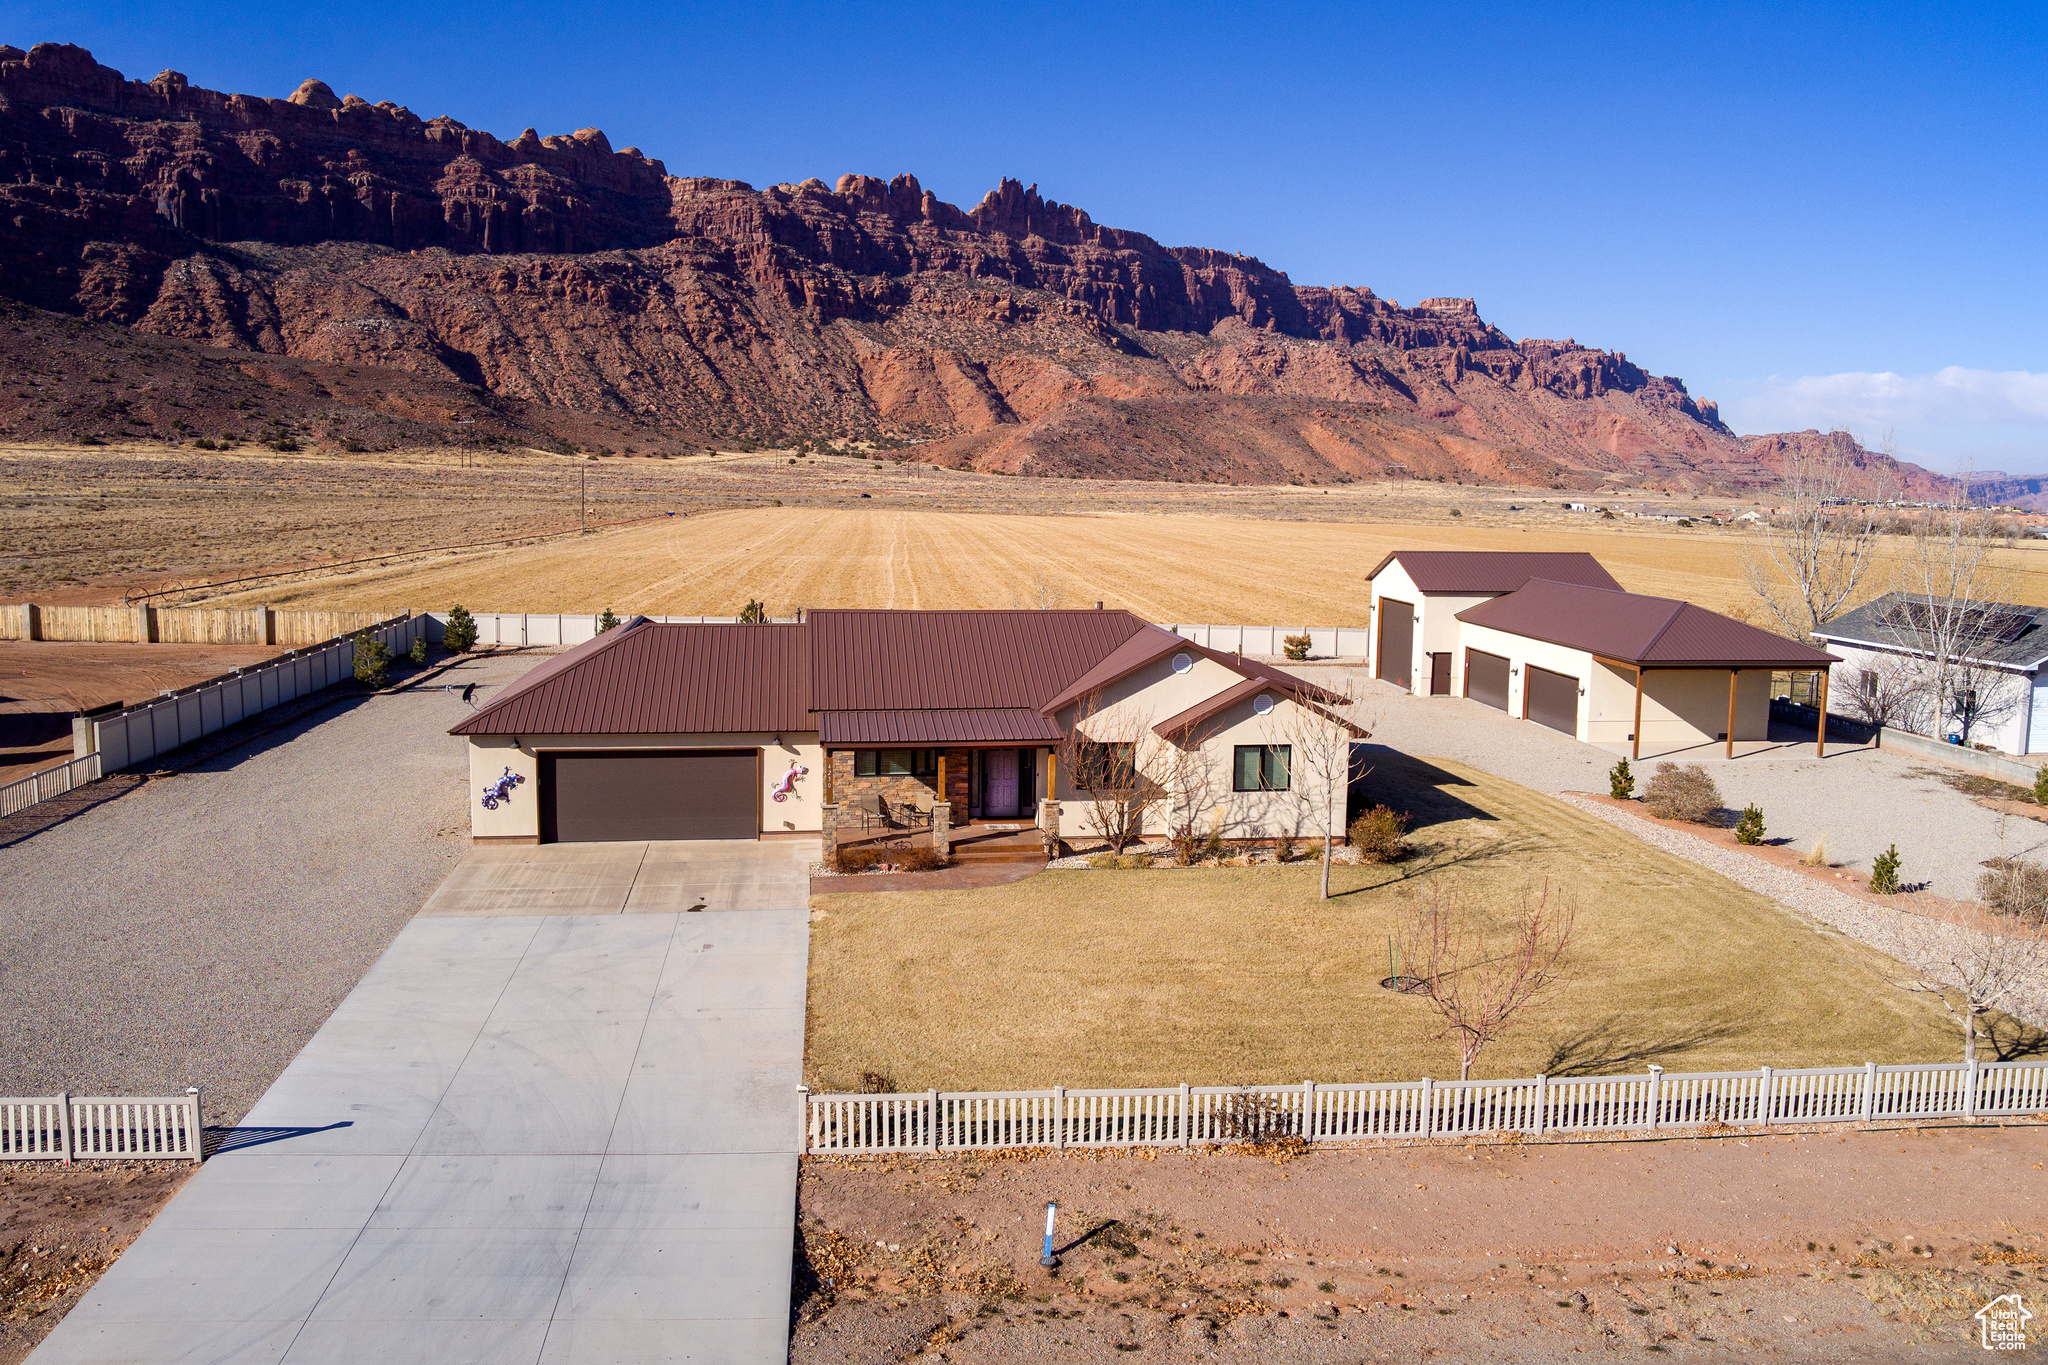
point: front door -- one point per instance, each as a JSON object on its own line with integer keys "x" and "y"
{"x": 999, "y": 770}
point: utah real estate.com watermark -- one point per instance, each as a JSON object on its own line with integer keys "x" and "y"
{"x": 2004, "y": 1322}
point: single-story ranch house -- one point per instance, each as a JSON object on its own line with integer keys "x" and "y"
{"x": 1552, "y": 638}
{"x": 1999, "y": 696}
{"x": 922, "y": 719}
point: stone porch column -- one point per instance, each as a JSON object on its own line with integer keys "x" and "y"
{"x": 942, "y": 828}
{"x": 828, "y": 829}
{"x": 1049, "y": 826}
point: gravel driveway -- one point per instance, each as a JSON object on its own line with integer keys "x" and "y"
{"x": 197, "y": 929}
{"x": 1859, "y": 800}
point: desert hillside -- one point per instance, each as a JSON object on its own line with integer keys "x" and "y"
{"x": 430, "y": 280}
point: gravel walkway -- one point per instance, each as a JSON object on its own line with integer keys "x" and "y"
{"x": 1858, "y": 800}
{"x": 197, "y": 929}
{"x": 1849, "y": 915}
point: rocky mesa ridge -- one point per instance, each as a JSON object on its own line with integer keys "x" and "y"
{"x": 562, "y": 275}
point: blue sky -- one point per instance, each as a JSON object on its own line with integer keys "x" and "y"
{"x": 1816, "y": 215}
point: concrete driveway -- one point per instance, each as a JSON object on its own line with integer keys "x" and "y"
{"x": 628, "y": 878}
{"x": 523, "y": 1137}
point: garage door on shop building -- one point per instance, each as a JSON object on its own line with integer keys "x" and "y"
{"x": 1486, "y": 678}
{"x": 607, "y": 796}
{"x": 1551, "y": 699}
{"x": 1397, "y": 642}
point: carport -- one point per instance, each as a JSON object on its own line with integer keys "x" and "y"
{"x": 1610, "y": 667}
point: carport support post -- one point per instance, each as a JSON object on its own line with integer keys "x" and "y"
{"x": 1733, "y": 674}
{"x": 1636, "y": 754}
{"x": 1820, "y": 739}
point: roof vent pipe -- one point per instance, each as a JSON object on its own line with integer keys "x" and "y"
{"x": 1098, "y": 606}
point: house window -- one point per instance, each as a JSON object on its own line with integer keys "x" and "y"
{"x": 1104, "y": 767}
{"x": 895, "y": 762}
{"x": 1262, "y": 767}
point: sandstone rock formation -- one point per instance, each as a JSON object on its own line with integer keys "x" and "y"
{"x": 1018, "y": 335}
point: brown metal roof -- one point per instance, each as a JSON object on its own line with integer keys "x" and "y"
{"x": 1006, "y": 725}
{"x": 1478, "y": 571}
{"x": 955, "y": 660}
{"x": 1652, "y": 631}
{"x": 1151, "y": 643}
{"x": 1293, "y": 689}
{"x": 654, "y": 679}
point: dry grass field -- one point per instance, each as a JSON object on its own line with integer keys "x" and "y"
{"x": 90, "y": 525}
{"x": 1233, "y": 976}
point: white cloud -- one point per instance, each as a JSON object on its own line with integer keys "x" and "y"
{"x": 1954, "y": 398}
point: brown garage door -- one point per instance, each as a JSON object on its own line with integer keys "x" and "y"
{"x": 1486, "y": 678}
{"x": 642, "y": 794}
{"x": 1397, "y": 641}
{"x": 1552, "y": 699}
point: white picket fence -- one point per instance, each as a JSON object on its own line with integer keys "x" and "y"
{"x": 136, "y": 734}
{"x": 41, "y": 786}
{"x": 1324, "y": 642}
{"x": 79, "y": 1127}
{"x": 1184, "y": 1116}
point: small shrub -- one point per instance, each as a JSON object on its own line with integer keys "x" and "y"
{"x": 2012, "y": 887}
{"x": 458, "y": 636}
{"x": 1187, "y": 847}
{"x": 1817, "y": 856}
{"x": 1750, "y": 828}
{"x": 373, "y": 662}
{"x": 1682, "y": 792}
{"x": 1296, "y": 647}
{"x": 875, "y": 1083}
{"x": 1377, "y": 835}
{"x": 1884, "y": 872}
{"x": 856, "y": 859}
{"x": 1120, "y": 862}
{"x": 418, "y": 652}
{"x": 1283, "y": 847}
{"x": 755, "y": 614}
{"x": 1621, "y": 783}
{"x": 1212, "y": 847}
{"x": 1312, "y": 851}
{"x": 607, "y": 621}
{"x": 920, "y": 860}
{"x": 2041, "y": 786}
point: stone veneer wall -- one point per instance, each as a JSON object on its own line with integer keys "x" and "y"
{"x": 899, "y": 790}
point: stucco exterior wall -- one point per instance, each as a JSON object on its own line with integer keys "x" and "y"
{"x": 1680, "y": 706}
{"x": 1436, "y": 633}
{"x": 519, "y": 817}
{"x": 2007, "y": 725}
{"x": 1126, "y": 711}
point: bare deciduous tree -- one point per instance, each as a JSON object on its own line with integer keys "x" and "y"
{"x": 1818, "y": 546}
{"x": 1321, "y": 726}
{"x": 1484, "y": 964}
{"x": 1888, "y": 691}
{"x": 1951, "y": 955}
{"x": 1108, "y": 754}
{"x": 1951, "y": 588}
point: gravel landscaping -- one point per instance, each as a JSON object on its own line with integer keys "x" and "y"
{"x": 196, "y": 929}
{"x": 1858, "y": 799}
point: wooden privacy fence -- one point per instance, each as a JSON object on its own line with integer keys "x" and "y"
{"x": 143, "y": 624}
{"x": 80, "y": 1127}
{"x": 135, "y": 734}
{"x": 1187, "y": 1116}
{"x": 1324, "y": 642}
{"x": 41, "y": 786}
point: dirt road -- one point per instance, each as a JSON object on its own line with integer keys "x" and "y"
{"x": 1824, "y": 1246}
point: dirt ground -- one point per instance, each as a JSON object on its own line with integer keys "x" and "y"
{"x": 88, "y": 524}
{"x": 1818, "y": 1246}
{"x": 60, "y": 1228}
{"x": 43, "y": 683}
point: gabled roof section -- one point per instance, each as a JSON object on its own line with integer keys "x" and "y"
{"x": 1148, "y": 645}
{"x": 1496, "y": 571}
{"x": 956, "y": 660}
{"x": 2001, "y": 633}
{"x": 1300, "y": 693}
{"x": 645, "y": 677}
{"x": 1638, "y": 629}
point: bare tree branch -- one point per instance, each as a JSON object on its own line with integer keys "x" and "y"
{"x": 1483, "y": 966}
{"x": 1818, "y": 546}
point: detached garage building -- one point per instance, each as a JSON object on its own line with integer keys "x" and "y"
{"x": 1613, "y": 667}
{"x": 1417, "y": 595}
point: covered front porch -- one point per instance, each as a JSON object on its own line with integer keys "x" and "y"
{"x": 970, "y": 788}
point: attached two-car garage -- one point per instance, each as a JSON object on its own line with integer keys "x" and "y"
{"x": 609, "y": 795}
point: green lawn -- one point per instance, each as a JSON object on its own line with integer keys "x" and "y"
{"x": 1239, "y": 975}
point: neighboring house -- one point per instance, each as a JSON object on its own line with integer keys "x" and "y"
{"x": 655, "y": 731}
{"x": 1996, "y": 689}
{"x": 1417, "y": 595}
{"x": 1609, "y": 667}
